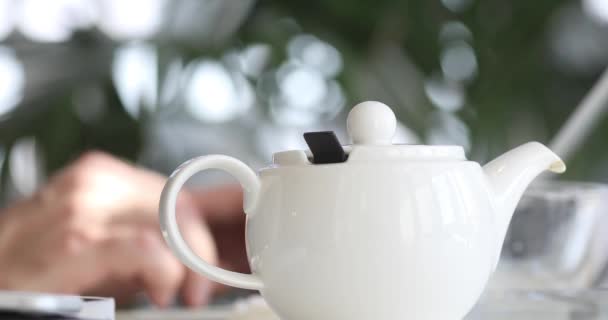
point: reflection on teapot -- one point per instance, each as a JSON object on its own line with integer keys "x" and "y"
{"x": 371, "y": 230}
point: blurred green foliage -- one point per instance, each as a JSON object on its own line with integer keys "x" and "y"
{"x": 509, "y": 38}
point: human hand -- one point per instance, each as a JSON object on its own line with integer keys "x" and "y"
{"x": 94, "y": 228}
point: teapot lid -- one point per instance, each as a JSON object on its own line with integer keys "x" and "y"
{"x": 371, "y": 126}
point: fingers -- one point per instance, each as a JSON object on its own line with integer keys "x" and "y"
{"x": 128, "y": 254}
{"x": 97, "y": 220}
{"x": 196, "y": 289}
{"x": 142, "y": 256}
{"x": 97, "y": 190}
{"x": 222, "y": 208}
{"x": 230, "y": 240}
{"x": 124, "y": 292}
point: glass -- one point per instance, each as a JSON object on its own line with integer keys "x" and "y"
{"x": 541, "y": 305}
{"x": 558, "y": 238}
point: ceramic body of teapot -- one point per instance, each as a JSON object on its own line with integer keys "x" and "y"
{"x": 372, "y": 230}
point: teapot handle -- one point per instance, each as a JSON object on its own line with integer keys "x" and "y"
{"x": 168, "y": 222}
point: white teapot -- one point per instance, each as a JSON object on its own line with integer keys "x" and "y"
{"x": 371, "y": 230}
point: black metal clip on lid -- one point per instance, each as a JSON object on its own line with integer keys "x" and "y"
{"x": 325, "y": 147}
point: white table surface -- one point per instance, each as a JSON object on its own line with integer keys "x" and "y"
{"x": 511, "y": 305}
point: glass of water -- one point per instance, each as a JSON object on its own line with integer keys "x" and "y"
{"x": 542, "y": 305}
{"x": 558, "y": 238}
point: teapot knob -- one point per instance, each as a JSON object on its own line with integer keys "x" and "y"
{"x": 371, "y": 123}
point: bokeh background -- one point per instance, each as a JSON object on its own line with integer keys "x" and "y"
{"x": 157, "y": 82}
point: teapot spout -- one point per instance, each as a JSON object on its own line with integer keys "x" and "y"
{"x": 510, "y": 174}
